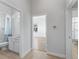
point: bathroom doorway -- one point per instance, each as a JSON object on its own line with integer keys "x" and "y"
{"x": 9, "y": 32}
{"x": 39, "y": 39}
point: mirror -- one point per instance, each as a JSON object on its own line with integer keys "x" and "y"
{"x": 9, "y": 29}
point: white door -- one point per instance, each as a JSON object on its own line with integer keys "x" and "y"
{"x": 69, "y": 33}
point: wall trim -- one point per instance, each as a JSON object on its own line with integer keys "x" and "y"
{"x": 23, "y": 55}
{"x": 56, "y": 54}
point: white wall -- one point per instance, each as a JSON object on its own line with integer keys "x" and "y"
{"x": 55, "y": 10}
{"x": 56, "y": 17}
{"x": 25, "y": 7}
{"x": 41, "y": 23}
{"x": 39, "y": 7}
{"x": 75, "y": 12}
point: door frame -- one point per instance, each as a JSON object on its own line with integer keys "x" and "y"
{"x": 32, "y": 31}
{"x": 69, "y": 29}
{"x": 69, "y": 33}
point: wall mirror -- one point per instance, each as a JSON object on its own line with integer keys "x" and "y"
{"x": 9, "y": 29}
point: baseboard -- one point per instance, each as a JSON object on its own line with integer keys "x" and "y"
{"x": 22, "y": 56}
{"x": 56, "y": 54}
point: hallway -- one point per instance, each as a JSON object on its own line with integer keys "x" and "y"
{"x": 38, "y": 29}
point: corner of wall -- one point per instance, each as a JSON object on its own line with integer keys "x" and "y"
{"x": 26, "y": 53}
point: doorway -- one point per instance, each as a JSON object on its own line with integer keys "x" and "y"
{"x": 75, "y": 31}
{"x": 72, "y": 30}
{"x": 39, "y": 40}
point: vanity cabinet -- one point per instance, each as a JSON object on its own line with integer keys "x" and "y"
{"x": 14, "y": 44}
{"x": 14, "y": 40}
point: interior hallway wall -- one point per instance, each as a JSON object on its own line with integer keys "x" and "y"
{"x": 56, "y": 36}
{"x": 55, "y": 11}
{"x": 25, "y": 7}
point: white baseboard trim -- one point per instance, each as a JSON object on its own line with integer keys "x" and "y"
{"x": 23, "y": 55}
{"x": 56, "y": 54}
